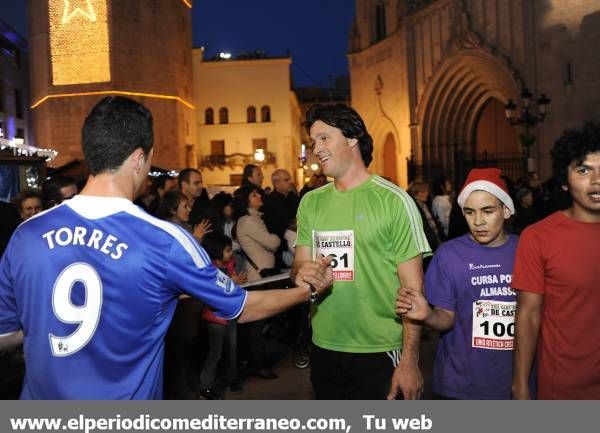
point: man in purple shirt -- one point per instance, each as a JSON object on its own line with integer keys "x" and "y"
{"x": 468, "y": 282}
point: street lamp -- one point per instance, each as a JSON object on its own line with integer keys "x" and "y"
{"x": 529, "y": 118}
{"x": 259, "y": 155}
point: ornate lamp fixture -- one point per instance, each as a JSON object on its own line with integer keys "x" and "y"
{"x": 528, "y": 119}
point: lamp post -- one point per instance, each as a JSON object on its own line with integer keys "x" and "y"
{"x": 528, "y": 118}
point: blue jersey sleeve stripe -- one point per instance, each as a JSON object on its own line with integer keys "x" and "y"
{"x": 239, "y": 311}
{"x": 17, "y": 330}
{"x": 198, "y": 256}
{"x": 195, "y": 243}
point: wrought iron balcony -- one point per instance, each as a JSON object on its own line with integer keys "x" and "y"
{"x": 235, "y": 160}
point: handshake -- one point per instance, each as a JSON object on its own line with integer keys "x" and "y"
{"x": 316, "y": 276}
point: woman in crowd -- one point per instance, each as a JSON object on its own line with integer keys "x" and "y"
{"x": 257, "y": 243}
{"x": 259, "y": 247}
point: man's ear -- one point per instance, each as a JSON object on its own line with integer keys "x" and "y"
{"x": 507, "y": 213}
{"x": 352, "y": 142}
{"x": 138, "y": 159}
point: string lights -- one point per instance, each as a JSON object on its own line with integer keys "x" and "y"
{"x": 19, "y": 148}
{"x": 79, "y": 46}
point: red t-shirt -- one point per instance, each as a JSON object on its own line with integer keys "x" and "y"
{"x": 559, "y": 258}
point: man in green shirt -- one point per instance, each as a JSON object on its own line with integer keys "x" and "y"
{"x": 374, "y": 233}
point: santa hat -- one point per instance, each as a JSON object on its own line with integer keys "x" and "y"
{"x": 488, "y": 180}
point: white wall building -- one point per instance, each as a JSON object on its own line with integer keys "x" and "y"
{"x": 243, "y": 106}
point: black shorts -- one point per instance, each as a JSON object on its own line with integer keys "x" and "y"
{"x": 352, "y": 376}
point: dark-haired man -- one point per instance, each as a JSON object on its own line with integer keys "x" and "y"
{"x": 372, "y": 229}
{"x": 252, "y": 176}
{"x": 191, "y": 185}
{"x": 558, "y": 281}
{"x": 59, "y": 189}
{"x": 95, "y": 309}
{"x": 279, "y": 209}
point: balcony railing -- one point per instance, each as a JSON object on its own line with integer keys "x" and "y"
{"x": 235, "y": 160}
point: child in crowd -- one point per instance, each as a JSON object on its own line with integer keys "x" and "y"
{"x": 222, "y": 334}
{"x": 468, "y": 283}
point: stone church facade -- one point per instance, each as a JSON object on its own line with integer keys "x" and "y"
{"x": 431, "y": 79}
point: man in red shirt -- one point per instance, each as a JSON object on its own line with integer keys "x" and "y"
{"x": 557, "y": 275}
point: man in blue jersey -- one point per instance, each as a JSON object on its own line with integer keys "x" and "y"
{"x": 93, "y": 283}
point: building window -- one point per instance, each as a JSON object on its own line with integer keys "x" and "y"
{"x": 380, "y": 31}
{"x": 217, "y": 147}
{"x": 20, "y": 133}
{"x": 251, "y": 114}
{"x": 19, "y": 104}
{"x": 223, "y": 115}
{"x": 209, "y": 118}
{"x": 265, "y": 113}
{"x": 217, "y": 151}
{"x": 235, "y": 179}
{"x": 259, "y": 143}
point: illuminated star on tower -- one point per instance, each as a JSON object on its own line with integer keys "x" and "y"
{"x": 81, "y": 7}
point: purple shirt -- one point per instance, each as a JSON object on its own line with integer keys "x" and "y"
{"x": 474, "y": 358}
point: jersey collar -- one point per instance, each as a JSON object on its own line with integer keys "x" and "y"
{"x": 94, "y": 207}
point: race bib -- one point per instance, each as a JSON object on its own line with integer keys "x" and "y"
{"x": 339, "y": 245}
{"x": 494, "y": 324}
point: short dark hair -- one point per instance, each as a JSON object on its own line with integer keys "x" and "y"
{"x": 51, "y": 189}
{"x": 214, "y": 244}
{"x": 573, "y": 147}
{"x": 169, "y": 203}
{"x": 249, "y": 170}
{"x": 26, "y": 194}
{"x": 113, "y": 130}
{"x": 185, "y": 174}
{"x": 247, "y": 173}
{"x": 345, "y": 119}
{"x": 161, "y": 180}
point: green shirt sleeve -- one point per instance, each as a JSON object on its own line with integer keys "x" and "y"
{"x": 408, "y": 237}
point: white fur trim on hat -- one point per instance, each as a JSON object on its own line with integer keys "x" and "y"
{"x": 487, "y": 186}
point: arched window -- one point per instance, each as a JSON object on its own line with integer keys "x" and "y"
{"x": 251, "y": 114}
{"x": 209, "y": 117}
{"x": 265, "y": 113}
{"x": 223, "y": 115}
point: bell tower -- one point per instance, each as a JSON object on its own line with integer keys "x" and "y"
{"x": 84, "y": 50}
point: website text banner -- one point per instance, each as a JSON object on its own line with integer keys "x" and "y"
{"x": 299, "y": 416}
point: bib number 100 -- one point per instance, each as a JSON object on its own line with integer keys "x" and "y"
{"x": 86, "y": 316}
{"x": 499, "y": 329}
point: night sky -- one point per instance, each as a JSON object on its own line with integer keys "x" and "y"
{"x": 314, "y": 31}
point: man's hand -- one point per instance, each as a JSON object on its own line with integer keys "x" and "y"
{"x": 318, "y": 274}
{"x": 407, "y": 380}
{"x": 412, "y": 304}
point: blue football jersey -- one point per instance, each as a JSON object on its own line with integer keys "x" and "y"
{"x": 93, "y": 283}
